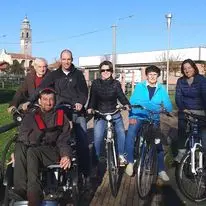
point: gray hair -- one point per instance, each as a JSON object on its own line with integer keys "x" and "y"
{"x": 37, "y": 60}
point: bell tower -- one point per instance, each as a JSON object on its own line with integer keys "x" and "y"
{"x": 25, "y": 37}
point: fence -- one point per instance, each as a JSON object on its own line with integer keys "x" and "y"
{"x": 10, "y": 81}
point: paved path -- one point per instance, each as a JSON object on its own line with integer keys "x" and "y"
{"x": 165, "y": 194}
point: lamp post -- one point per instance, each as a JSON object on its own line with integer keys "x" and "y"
{"x": 114, "y": 37}
{"x": 169, "y": 19}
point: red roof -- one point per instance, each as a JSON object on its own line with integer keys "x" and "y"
{"x": 20, "y": 56}
{"x": 54, "y": 65}
{"x": 3, "y": 65}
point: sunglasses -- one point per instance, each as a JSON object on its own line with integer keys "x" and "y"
{"x": 105, "y": 70}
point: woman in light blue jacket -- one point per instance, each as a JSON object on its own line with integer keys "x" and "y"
{"x": 152, "y": 95}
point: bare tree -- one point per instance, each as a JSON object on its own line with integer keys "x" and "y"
{"x": 174, "y": 64}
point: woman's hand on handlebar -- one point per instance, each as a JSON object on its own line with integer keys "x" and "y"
{"x": 132, "y": 121}
{"x": 78, "y": 106}
{"x": 127, "y": 107}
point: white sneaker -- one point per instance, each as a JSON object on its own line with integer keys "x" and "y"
{"x": 129, "y": 169}
{"x": 180, "y": 155}
{"x": 122, "y": 161}
{"x": 163, "y": 175}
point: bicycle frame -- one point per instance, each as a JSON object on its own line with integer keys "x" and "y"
{"x": 194, "y": 142}
{"x": 112, "y": 162}
{"x": 110, "y": 135}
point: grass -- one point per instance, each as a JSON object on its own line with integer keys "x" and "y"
{"x": 5, "y": 118}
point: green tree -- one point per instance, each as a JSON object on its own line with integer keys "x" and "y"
{"x": 16, "y": 68}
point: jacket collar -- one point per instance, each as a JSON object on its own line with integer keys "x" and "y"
{"x": 146, "y": 84}
{"x": 72, "y": 69}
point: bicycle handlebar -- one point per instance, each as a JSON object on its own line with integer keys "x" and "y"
{"x": 195, "y": 116}
{"x": 162, "y": 110}
{"x": 7, "y": 127}
{"x": 67, "y": 106}
{"x": 120, "y": 108}
{"x": 18, "y": 115}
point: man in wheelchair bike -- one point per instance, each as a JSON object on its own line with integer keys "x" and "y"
{"x": 42, "y": 141}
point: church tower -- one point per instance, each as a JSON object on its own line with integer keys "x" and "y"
{"x": 25, "y": 37}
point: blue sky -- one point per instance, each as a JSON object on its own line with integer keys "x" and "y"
{"x": 59, "y": 24}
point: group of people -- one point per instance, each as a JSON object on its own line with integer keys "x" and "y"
{"x": 44, "y": 133}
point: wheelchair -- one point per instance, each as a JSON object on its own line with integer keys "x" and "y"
{"x": 60, "y": 187}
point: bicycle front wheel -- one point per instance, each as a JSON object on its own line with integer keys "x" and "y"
{"x": 112, "y": 168}
{"x": 193, "y": 186}
{"x": 146, "y": 170}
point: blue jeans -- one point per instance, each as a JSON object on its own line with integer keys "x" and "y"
{"x": 80, "y": 127}
{"x": 132, "y": 133}
{"x": 99, "y": 129}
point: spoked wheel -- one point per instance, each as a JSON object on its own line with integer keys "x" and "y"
{"x": 112, "y": 168}
{"x": 8, "y": 176}
{"x": 71, "y": 196}
{"x": 193, "y": 186}
{"x": 146, "y": 170}
{"x": 8, "y": 150}
{"x": 75, "y": 186}
{"x": 75, "y": 195}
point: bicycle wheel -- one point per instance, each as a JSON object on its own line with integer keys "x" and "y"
{"x": 7, "y": 150}
{"x": 7, "y": 181}
{"x": 193, "y": 186}
{"x": 146, "y": 170}
{"x": 112, "y": 168}
{"x": 138, "y": 143}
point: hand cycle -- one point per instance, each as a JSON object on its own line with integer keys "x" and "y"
{"x": 191, "y": 173}
{"x": 78, "y": 178}
{"x": 17, "y": 115}
{"x": 146, "y": 151}
{"x": 58, "y": 185}
{"x": 7, "y": 170}
{"x": 112, "y": 160}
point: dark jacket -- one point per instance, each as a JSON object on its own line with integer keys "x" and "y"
{"x": 104, "y": 95}
{"x": 26, "y": 89}
{"x": 71, "y": 88}
{"x": 30, "y": 134}
{"x": 191, "y": 96}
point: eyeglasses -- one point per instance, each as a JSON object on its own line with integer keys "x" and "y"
{"x": 105, "y": 70}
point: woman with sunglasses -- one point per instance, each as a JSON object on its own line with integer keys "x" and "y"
{"x": 104, "y": 94}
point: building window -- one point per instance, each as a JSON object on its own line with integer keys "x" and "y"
{"x": 27, "y": 35}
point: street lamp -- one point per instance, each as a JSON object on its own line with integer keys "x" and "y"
{"x": 169, "y": 19}
{"x": 114, "y": 37}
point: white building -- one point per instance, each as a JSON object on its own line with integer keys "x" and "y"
{"x": 136, "y": 62}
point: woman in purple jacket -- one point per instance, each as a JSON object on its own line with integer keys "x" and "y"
{"x": 190, "y": 95}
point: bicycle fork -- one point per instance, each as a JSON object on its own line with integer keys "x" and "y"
{"x": 110, "y": 139}
{"x": 193, "y": 161}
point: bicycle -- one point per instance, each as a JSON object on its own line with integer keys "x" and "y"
{"x": 146, "y": 150}
{"x": 112, "y": 159}
{"x": 190, "y": 173}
